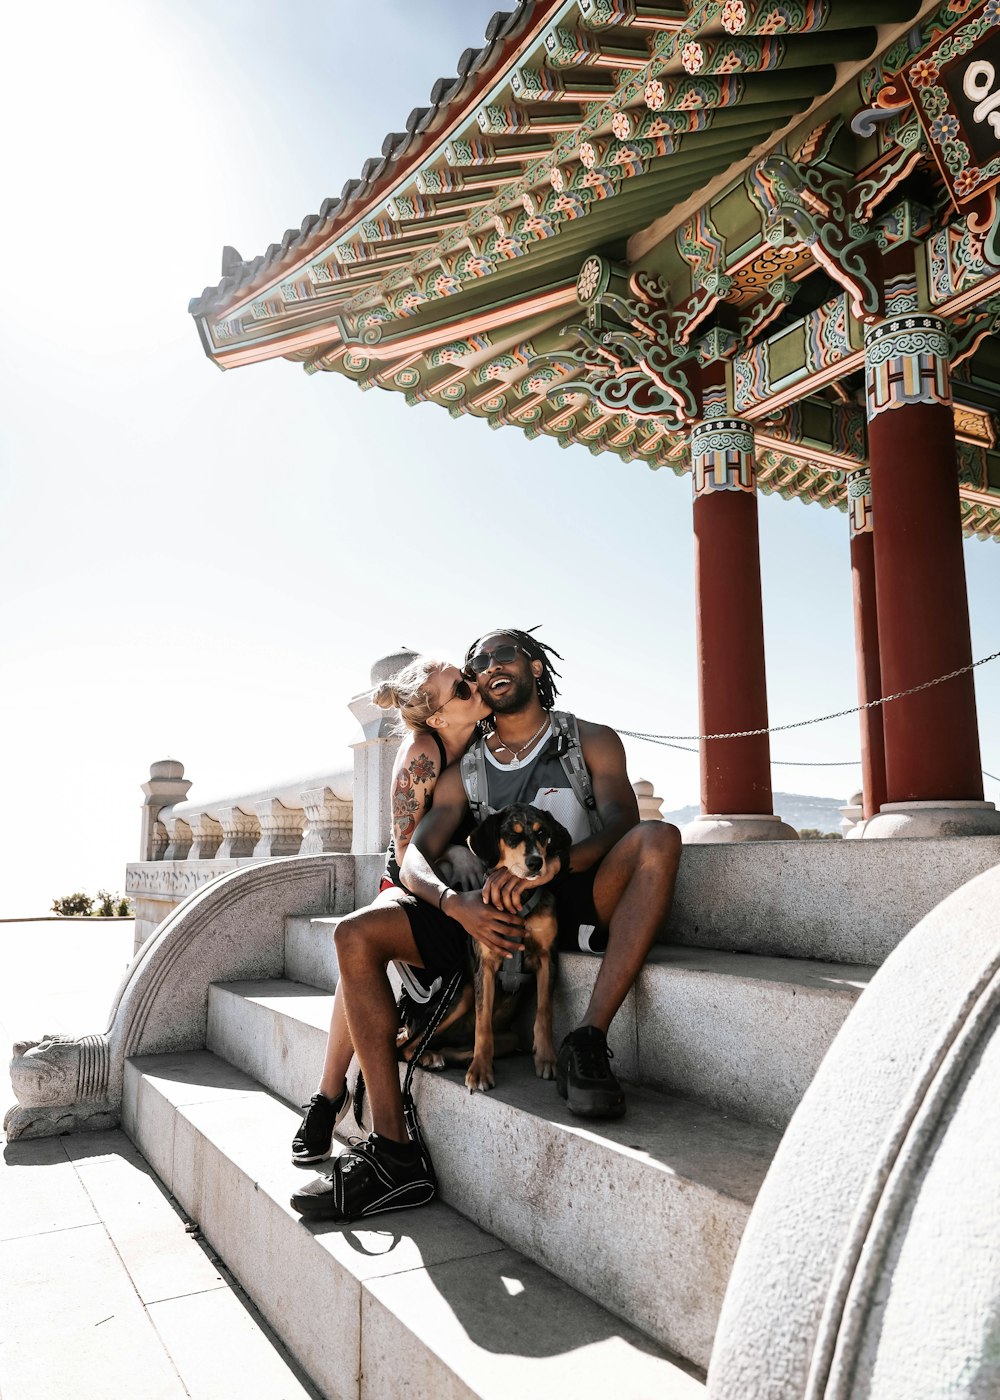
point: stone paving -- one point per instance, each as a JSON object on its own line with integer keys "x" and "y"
{"x": 106, "y": 1289}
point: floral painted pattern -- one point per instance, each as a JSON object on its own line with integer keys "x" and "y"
{"x": 692, "y": 57}
{"x": 586, "y": 282}
{"x": 923, "y": 73}
{"x": 655, "y": 95}
{"x": 734, "y": 16}
{"x": 935, "y": 81}
{"x": 945, "y": 128}
{"x": 773, "y": 23}
{"x": 622, "y": 126}
{"x": 967, "y": 180}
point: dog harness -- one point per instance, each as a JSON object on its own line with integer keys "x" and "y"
{"x": 513, "y": 974}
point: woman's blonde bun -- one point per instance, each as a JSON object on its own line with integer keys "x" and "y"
{"x": 386, "y": 696}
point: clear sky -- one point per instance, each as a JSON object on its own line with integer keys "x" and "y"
{"x": 204, "y": 565}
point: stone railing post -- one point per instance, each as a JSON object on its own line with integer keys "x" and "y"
{"x": 166, "y": 787}
{"x": 159, "y": 841}
{"x": 328, "y": 818}
{"x": 180, "y": 837}
{"x": 207, "y": 837}
{"x": 280, "y": 828}
{"x": 373, "y": 759}
{"x": 240, "y": 833}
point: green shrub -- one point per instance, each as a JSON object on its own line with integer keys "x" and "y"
{"x": 108, "y": 905}
{"x": 71, "y": 904}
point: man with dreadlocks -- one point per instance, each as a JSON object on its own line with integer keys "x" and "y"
{"x": 612, "y": 894}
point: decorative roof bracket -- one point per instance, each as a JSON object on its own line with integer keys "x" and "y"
{"x": 807, "y": 203}
{"x": 629, "y": 352}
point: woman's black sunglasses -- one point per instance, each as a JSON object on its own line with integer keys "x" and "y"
{"x": 483, "y": 660}
{"x": 462, "y": 691}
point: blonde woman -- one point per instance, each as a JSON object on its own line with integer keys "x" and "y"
{"x": 439, "y": 710}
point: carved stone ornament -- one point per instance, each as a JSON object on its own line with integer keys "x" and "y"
{"x": 61, "y": 1084}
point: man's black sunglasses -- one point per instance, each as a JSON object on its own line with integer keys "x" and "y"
{"x": 501, "y": 656}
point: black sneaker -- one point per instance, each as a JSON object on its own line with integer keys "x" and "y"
{"x": 584, "y": 1078}
{"x": 367, "y": 1179}
{"x": 314, "y": 1140}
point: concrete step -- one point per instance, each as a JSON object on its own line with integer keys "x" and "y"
{"x": 741, "y": 1032}
{"x": 644, "y": 1215}
{"x": 310, "y": 956}
{"x": 421, "y": 1303}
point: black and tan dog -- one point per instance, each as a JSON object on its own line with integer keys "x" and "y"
{"x": 523, "y": 840}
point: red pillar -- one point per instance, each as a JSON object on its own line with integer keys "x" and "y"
{"x": 866, "y": 640}
{"x": 931, "y": 738}
{"x": 735, "y": 773}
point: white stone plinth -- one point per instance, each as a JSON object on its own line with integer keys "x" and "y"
{"x": 909, "y": 820}
{"x": 853, "y": 817}
{"x": 713, "y": 829}
{"x": 373, "y": 760}
{"x": 649, "y": 804}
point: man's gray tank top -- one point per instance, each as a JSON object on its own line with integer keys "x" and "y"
{"x": 540, "y": 780}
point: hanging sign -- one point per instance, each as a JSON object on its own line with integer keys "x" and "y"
{"x": 955, "y": 88}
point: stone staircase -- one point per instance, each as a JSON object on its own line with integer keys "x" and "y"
{"x": 562, "y": 1257}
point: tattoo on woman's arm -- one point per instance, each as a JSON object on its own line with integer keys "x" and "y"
{"x": 423, "y": 769}
{"x": 408, "y": 804}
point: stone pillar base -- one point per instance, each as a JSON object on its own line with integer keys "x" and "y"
{"x": 910, "y": 820}
{"x": 714, "y": 829}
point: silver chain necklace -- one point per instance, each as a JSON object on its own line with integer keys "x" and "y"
{"x": 515, "y": 754}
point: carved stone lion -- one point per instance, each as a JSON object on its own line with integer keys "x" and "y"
{"x": 60, "y": 1083}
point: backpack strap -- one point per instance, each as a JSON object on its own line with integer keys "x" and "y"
{"x": 567, "y": 731}
{"x": 574, "y": 766}
{"x": 473, "y": 772}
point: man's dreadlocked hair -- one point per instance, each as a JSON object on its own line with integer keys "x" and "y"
{"x": 536, "y": 651}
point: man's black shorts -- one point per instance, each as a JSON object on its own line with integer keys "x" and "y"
{"x": 579, "y": 927}
{"x": 443, "y": 943}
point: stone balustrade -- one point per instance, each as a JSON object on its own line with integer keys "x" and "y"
{"x": 187, "y": 843}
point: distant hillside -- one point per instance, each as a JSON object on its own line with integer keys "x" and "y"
{"x": 795, "y": 808}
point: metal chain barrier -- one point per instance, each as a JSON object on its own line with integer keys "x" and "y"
{"x": 669, "y": 739}
{"x": 776, "y": 762}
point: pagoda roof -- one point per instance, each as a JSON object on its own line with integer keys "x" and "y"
{"x": 449, "y": 269}
{"x": 450, "y": 97}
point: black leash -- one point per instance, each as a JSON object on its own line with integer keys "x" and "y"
{"x": 442, "y": 1004}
